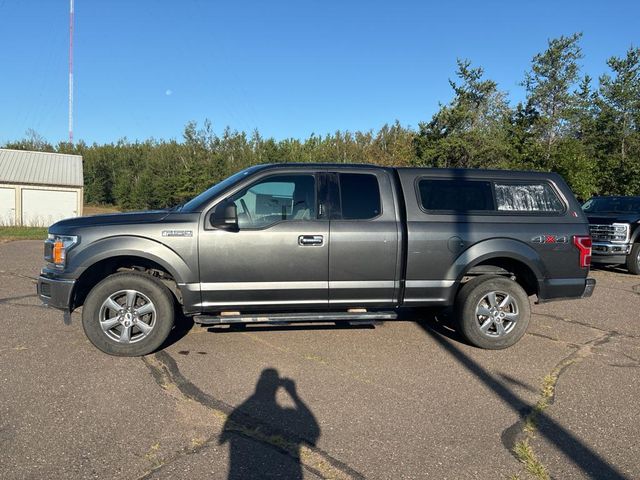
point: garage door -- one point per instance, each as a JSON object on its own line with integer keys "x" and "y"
{"x": 7, "y": 206}
{"x": 41, "y": 208}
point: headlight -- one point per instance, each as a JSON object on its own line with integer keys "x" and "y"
{"x": 57, "y": 246}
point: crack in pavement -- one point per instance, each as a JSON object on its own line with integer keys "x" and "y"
{"x": 8, "y": 300}
{"x": 523, "y": 429}
{"x": 581, "y": 454}
{"x": 4, "y": 273}
{"x": 553, "y": 339}
{"x": 167, "y": 375}
{"x": 584, "y": 324}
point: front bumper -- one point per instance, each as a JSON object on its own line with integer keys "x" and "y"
{"x": 55, "y": 292}
{"x": 610, "y": 253}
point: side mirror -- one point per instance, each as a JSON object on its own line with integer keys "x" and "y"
{"x": 224, "y": 216}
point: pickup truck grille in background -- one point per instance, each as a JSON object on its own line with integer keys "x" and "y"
{"x": 618, "y": 232}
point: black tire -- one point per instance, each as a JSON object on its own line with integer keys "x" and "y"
{"x": 504, "y": 324}
{"x": 633, "y": 259}
{"x": 129, "y": 341}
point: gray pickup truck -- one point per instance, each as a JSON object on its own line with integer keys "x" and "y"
{"x": 325, "y": 243}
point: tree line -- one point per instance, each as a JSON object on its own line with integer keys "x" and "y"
{"x": 586, "y": 130}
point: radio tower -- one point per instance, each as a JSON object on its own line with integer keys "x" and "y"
{"x": 71, "y": 71}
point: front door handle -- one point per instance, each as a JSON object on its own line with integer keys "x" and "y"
{"x": 310, "y": 240}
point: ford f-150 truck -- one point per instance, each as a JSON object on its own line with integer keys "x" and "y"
{"x": 325, "y": 242}
{"x": 615, "y": 230}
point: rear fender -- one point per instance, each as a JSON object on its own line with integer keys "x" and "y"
{"x": 496, "y": 248}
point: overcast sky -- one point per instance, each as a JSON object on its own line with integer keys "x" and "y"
{"x": 288, "y": 68}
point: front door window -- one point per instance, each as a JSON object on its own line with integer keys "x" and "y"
{"x": 276, "y": 199}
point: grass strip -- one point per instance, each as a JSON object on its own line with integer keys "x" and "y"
{"x": 23, "y": 233}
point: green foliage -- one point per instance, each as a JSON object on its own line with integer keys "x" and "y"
{"x": 553, "y": 74}
{"x": 31, "y": 141}
{"x": 468, "y": 132}
{"x": 571, "y": 159}
{"x": 590, "y": 135}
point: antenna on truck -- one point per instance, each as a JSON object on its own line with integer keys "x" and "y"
{"x": 71, "y": 71}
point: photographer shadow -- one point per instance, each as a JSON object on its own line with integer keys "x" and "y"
{"x": 264, "y": 437}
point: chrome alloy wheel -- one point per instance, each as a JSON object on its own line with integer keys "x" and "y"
{"x": 497, "y": 314}
{"x": 127, "y": 316}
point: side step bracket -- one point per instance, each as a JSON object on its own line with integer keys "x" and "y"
{"x": 294, "y": 317}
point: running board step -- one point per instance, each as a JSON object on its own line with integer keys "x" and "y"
{"x": 294, "y": 317}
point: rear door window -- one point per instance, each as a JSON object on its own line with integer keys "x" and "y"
{"x": 359, "y": 196}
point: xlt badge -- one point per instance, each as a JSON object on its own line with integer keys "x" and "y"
{"x": 177, "y": 233}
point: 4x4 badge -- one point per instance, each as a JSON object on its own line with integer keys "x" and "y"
{"x": 550, "y": 239}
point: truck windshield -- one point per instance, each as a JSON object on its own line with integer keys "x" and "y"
{"x": 612, "y": 205}
{"x": 196, "y": 204}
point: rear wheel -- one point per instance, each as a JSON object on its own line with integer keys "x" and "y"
{"x": 492, "y": 312}
{"x": 633, "y": 259}
{"x": 128, "y": 314}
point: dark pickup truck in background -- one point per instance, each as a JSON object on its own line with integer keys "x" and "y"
{"x": 325, "y": 242}
{"x": 615, "y": 230}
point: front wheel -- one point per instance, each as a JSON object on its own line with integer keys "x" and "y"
{"x": 128, "y": 314}
{"x": 633, "y": 260}
{"x": 492, "y": 312}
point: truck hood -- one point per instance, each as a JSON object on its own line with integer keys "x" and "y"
{"x": 109, "y": 219}
{"x": 614, "y": 217}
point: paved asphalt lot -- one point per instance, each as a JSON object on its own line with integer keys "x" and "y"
{"x": 399, "y": 400}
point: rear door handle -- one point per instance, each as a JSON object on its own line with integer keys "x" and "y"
{"x": 310, "y": 240}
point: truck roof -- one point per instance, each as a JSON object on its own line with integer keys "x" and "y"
{"x": 442, "y": 172}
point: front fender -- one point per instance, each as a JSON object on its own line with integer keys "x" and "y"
{"x": 128, "y": 245}
{"x": 496, "y": 248}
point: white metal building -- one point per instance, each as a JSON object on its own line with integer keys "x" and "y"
{"x": 38, "y": 189}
